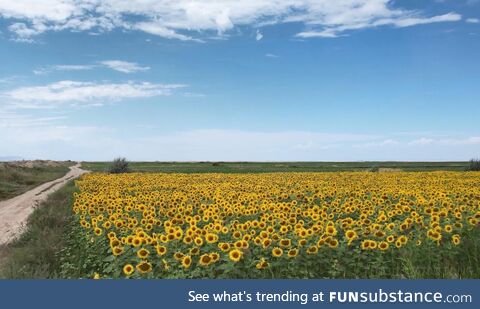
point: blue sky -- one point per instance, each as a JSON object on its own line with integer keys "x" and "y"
{"x": 240, "y": 80}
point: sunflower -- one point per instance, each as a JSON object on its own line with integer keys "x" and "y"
{"x": 137, "y": 241}
{"x": 128, "y": 269}
{"x": 350, "y": 234}
{"x": 285, "y": 242}
{"x": 266, "y": 243}
{"x": 143, "y": 253}
{"x": 215, "y": 257}
{"x": 292, "y": 253}
{"x": 277, "y": 252}
{"x": 333, "y": 243}
{"x": 383, "y": 245}
{"x": 98, "y": 231}
{"x": 224, "y": 246}
{"x": 312, "y": 250}
{"x": 117, "y": 251}
{"x": 187, "y": 240}
{"x": 186, "y": 261}
{"x": 262, "y": 264}
{"x": 161, "y": 250}
{"x": 235, "y": 255}
{"x": 330, "y": 230}
{"x": 398, "y": 243}
{"x": 456, "y": 239}
{"x": 144, "y": 267}
{"x": 194, "y": 251}
{"x": 198, "y": 241}
{"x": 365, "y": 244}
{"x": 205, "y": 259}
{"x": 178, "y": 256}
{"x": 302, "y": 242}
{"x": 211, "y": 238}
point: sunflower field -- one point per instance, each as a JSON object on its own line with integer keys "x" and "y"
{"x": 278, "y": 225}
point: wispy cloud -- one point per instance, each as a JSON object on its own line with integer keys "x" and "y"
{"x": 407, "y": 20}
{"x": 195, "y": 20}
{"x": 472, "y": 20}
{"x": 9, "y": 79}
{"x": 12, "y": 119}
{"x": 116, "y": 65}
{"x": 72, "y": 67}
{"x": 268, "y": 55}
{"x": 258, "y": 35}
{"x": 90, "y": 93}
{"x": 124, "y": 66}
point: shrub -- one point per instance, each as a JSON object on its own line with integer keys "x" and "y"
{"x": 118, "y": 166}
{"x": 474, "y": 165}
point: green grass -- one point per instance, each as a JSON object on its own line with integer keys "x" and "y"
{"x": 266, "y": 167}
{"x": 15, "y": 180}
{"x": 35, "y": 254}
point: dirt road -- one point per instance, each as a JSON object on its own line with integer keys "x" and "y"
{"x": 15, "y": 211}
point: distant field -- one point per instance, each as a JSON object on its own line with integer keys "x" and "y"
{"x": 19, "y": 177}
{"x": 266, "y": 167}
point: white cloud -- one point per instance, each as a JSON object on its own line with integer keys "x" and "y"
{"x": 472, "y": 20}
{"x": 401, "y": 21}
{"x": 422, "y": 141}
{"x": 269, "y": 55}
{"x": 157, "y": 29}
{"x": 258, "y": 36}
{"x": 381, "y": 143}
{"x": 62, "y": 67}
{"x": 190, "y": 20}
{"x": 116, "y": 65}
{"x": 83, "y": 92}
{"x": 23, "y": 32}
{"x": 124, "y": 66}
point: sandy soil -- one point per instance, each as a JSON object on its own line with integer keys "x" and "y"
{"x": 15, "y": 211}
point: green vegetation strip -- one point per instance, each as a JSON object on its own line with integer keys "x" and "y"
{"x": 15, "y": 180}
{"x": 36, "y": 253}
{"x": 268, "y": 167}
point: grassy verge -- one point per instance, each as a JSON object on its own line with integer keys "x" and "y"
{"x": 34, "y": 254}
{"x": 15, "y": 180}
{"x": 267, "y": 167}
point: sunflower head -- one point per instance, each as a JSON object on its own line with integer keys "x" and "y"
{"x": 186, "y": 261}
{"x": 292, "y": 253}
{"x": 383, "y": 245}
{"x": 161, "y": 250}
{"x": 277, "y": 252}
{"x": 205, "y": 260}
{"x": 128, "y": 269}
{"x": 235, "y": 255}
{"x": 262, "y": 264}
{"x": 144, "y": 267}
{"x": 143, "y": 253}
